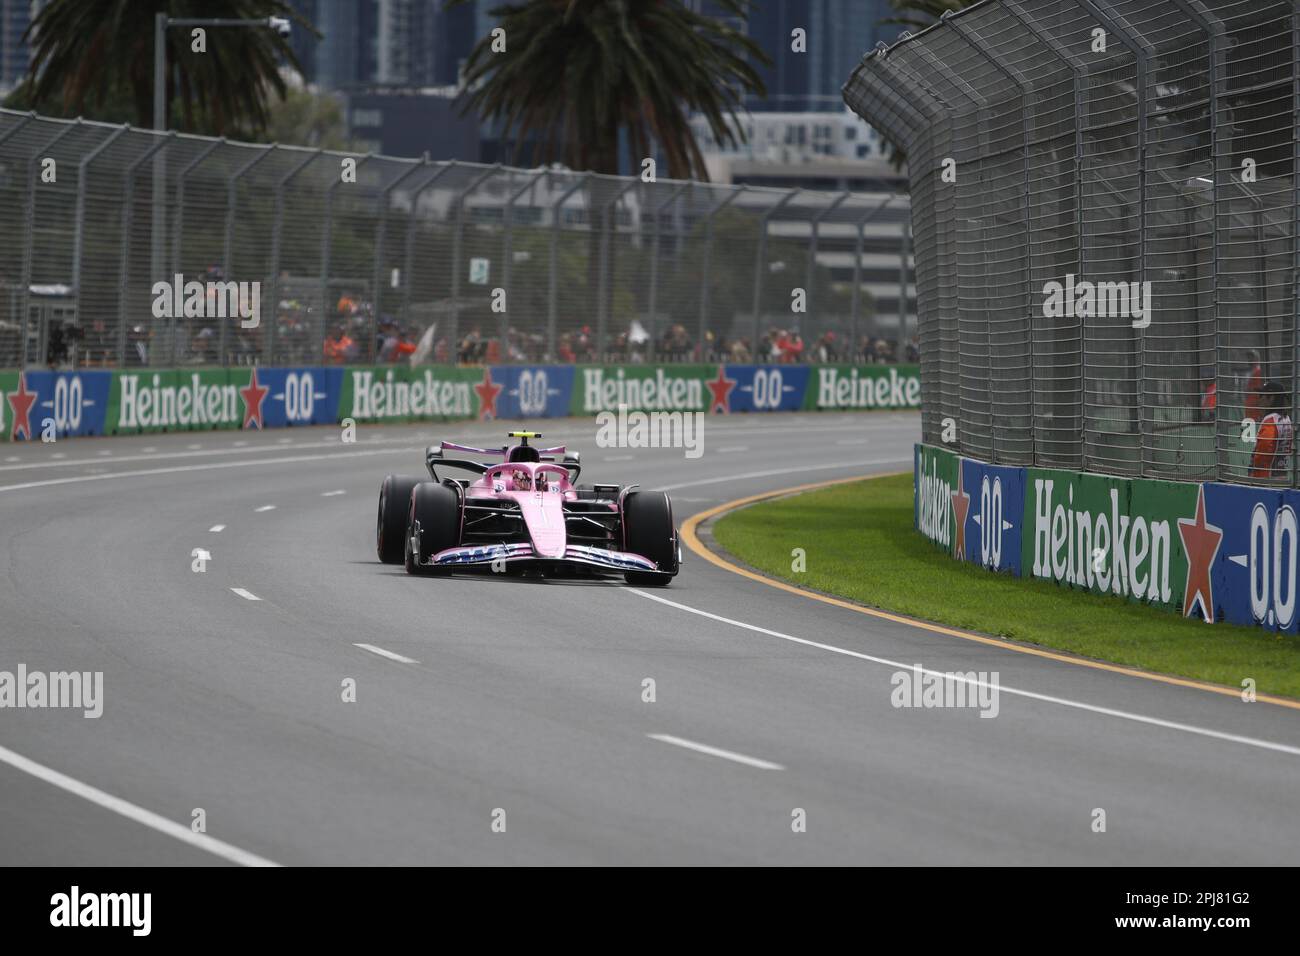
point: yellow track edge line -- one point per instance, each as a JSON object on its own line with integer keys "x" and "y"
{"x": 691, "y": 536}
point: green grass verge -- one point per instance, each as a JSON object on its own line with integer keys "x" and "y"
{"x": 861, "y": 545}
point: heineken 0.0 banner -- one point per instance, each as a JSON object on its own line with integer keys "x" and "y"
{"x": 1211, "y": 551}
{"x": 51, "y": 405}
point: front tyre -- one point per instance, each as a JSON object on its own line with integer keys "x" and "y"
{"x": 648, "y": 531}
{"x": 433, "y": 525}
{"x": 390, "y": 526}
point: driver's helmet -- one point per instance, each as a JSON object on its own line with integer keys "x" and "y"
{"x": 541, "y": 481}
{"x": 522, "y": 480}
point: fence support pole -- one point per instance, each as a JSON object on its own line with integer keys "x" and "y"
{"x": 277, "y": 230}
{"x": 1062, "y": 53}
{"x": 457, "y": 242}
{"x": 708, "y": 256}
{"x": 652, "y": 304}
{"x": 605, "y": 279}
{"x": 179, "y": 223}
{"x": 326, "y": 247}
{"x": 408, "y": 264}
{"x": 507, "y": 261}
{"x": 29, "y": 230}
{"x": 814, "y": 231}
{"x": 124, "y": 245}
{"x": 381, "y": 237}
{"x": 1101, "y": 10}
{"x": 79, "y": 229}
{"x": 552, "y": 292}
{"x": 232, "y": 194}
{"x": 760, "y": 260}
{"x": 855, "y": 307}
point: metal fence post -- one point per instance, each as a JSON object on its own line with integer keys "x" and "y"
{"x": 179, "y": 224}
{"x": 128, "y": 220}
{"x": 652, "y": 304}
{"x": 1017, "y": 10}
{"x": 29, "y": 229}
{"x": 232, "y": 193}
{"x": 381, "y": 237}
{"x": 326, "y": 249}
{"x": 507, "y": 260}
{"x": 1102, "y": 11}
{"x": 605, "y": 279}
{"x": 955, "y": 21}
{"x": 1295, "y": 240}
{"x": 408, "y": 264}
{"x": 704, "y": 271}
{"x": 552, "y": 292}
{"x": 814, "y": 230}
{"x": 855, "y": 307}
{"x": 457, "y": 242}
{"x": 277, "y": 228}
{"x": 79, "y": 238}
{"x": 760, "y": 258}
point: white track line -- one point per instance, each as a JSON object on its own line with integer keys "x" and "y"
{"x": 389, "y": 654}
{"x": 211, "y": 466}
{"x": 1002, "y": 688}
{"x": 246, "y": 595}
{"x": 332, "y": 494}
{"x": 217, "y": 528}
{"x": 716, "y": 752}
{"x": 264, "y": 508}
{"x": 132, "y": 812}
{"x": 778, "y": 471}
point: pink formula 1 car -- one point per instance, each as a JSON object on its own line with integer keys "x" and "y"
{"x": 524, "y": 512}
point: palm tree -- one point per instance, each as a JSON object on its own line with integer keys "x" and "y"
{"x": 84, "y": 51}
{"x": 575, "y": 73}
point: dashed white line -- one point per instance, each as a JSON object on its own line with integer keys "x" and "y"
{"x": 246, "y": 595}
{"x": 617, "y": 458}
{"x": 716, "y": 752}
{"x": 105, "y": 454}
{"x": 59, "y": 454}
{"x": 138, "y": 814}
{"x": 1001, "y": 688}
{"x": 388, "y": 654}
{"x": 150, "y": 450}
{"x": 217, "y": 528}
{"x": 331, "y": 494}
{"x": 264, "y": 508}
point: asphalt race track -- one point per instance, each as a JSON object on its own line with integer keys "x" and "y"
{"x": 526, "y": 694}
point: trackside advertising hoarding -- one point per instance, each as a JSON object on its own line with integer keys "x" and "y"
{"x": 51, "y": 405}
{"x": 1211, "y": 551}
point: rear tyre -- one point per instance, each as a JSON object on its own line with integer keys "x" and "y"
{"x": 390, "y": 526}
{"x": 648, "y": 531}
{"x": 435, "y": 514}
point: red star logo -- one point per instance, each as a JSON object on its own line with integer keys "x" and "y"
{"x": 1201, "y": 542}
{"x": 252, "y": 396}
{"x": 488, "y": 391}
{"x": 960, "y": 507}
{"x": 721, "y": 388}
{"x": 21, "y": 402}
